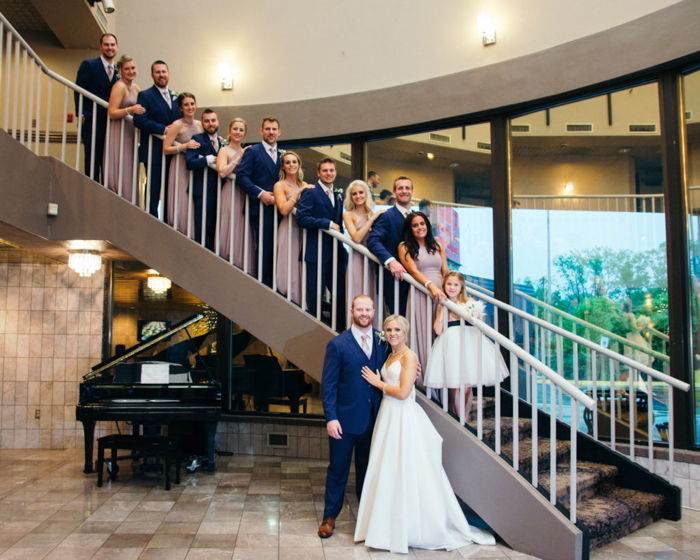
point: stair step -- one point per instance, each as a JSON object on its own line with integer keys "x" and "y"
{"x": 617, "y": 513}
{"x": 489, "y": 430}
{"x": 591, "y": 480}
{"x": 525, "y": 453}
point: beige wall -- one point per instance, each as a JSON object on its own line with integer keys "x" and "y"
{"x": 548, "y": 176}
{"x": 432, "y": 183}
{"x": 304, "y": 50}
{"x": 50, "y": 334}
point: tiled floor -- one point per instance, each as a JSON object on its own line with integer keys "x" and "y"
{"x": 254, "y": 508}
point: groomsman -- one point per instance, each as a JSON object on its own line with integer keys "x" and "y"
{"x": 384, "y": 241}
{"x": 97, "y": 75}
{"x": 161, "y": 110}
{"x": 202, "y": 161}
{"x": 319, "y": 209}
{"x": 257, "y": 173}
{"x": 350, "y": 405}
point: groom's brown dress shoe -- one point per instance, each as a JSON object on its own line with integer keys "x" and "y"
{"x": 325, "y": 530}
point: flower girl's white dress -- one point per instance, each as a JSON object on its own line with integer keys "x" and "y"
{"x": 461, "y": 356}
{"x": 407, "y": 499}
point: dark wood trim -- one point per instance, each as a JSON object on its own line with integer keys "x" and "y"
{"x": 501, "y": 196}
{"x": 675, "y": 201}
{"x": 358, "y": 167}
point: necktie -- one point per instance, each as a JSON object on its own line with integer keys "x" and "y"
{"x": 273, "y": 154}
{"x": 365, "y": 345}
{"x": 110, "y": 71}
{"x": 215, "y": 143}
{"x": 329, "y": 192}
{"x": 166, "y": 96}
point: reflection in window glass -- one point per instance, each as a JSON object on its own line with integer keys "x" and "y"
{"x": 589, "y": 230}
{"x": 451, "y": 173}
{"x": 691, "y": 94}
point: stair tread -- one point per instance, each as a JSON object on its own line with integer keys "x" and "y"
{"x": 587, "y": 474}
{"x": 618, "y": 512}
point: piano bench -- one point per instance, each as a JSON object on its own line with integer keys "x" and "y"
{"x": 162, "y": 447}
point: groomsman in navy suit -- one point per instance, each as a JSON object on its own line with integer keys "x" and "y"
{"x": 321, "y": 209}
{"x": 350, "y": 405}
{"x": 161, "y": 110}
{"x": 384, "y": 241}
{"x": 97, "y": 75}
{"x": 257, "y": 173}
{"x": 203, "y": 163}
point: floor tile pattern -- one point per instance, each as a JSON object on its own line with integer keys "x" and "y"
{"x": 253, "y": 507}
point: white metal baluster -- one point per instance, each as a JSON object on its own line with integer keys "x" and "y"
{"x": 261, "y": 240}
{"x": 189, "y": 226}
{"x": 319, "y": 286}
{"x": 573, "y": 462}
{"x": 479, "y": 386}
{"x": 162, "y": 201}
{"x": 560, "y": 370}
{"x": 303, "y": 270}
{"x": 135, "y": 182}
{"x": 365, "y": 274}
{"x": 246, "y": 236}
{"x": 381, "y": 271}
{"x": 552, "y": 443}
{"x": 650, "y": 425}
{"x": 217, "y": 218}
{"x": 515, "y": 392}
{"x": 120, "y": 167}
{"x": 462, "y": 363}
{"x": 612, "y": 406}
{"x": 631, "y": 376}
{"x": 412, "y": 314}
{"x": 231, "y": 221}
{"x": 334, "y": 287}
{"x": 671, "y": 446}
{"x": 275, "y": 248}
{"x": 534, "y": 421}
{"x": 7, "y": 84}
{"x": 93, "y": 141}
{"x": 2, "y": 36}
{"x": 594, "y": 391}
{"x": 31, "y": 120}
{"x": 396, "y": 295}
{"x": 79, "y": 137}
{"x": 64, "y": 131}
{"x": 149, "y": 178}
{"x": 15, "y": 97}
{"x": 175, "y": 218}
{"x": 526, "y": 339}
{"x": 23, "y": 109}
{"x": 47, "y": 137}
{"x": 289, "y": 255}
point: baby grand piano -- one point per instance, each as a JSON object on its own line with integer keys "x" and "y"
{"x": 126, "y": 387}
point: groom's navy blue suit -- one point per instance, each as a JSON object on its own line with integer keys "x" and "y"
{"x": 257, "y": 173}
{"x": 383, "y": 241}
{"x": 348, "y": 398}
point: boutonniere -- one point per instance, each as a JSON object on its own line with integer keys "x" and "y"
{"x": 223, "y": 142}
{"x": 281, "y": 152}
{"x": 379, "y": 335}
{"x": 338, "y": 191}
{"x": 475, "y": 309}
{"x": 174, "y": 95}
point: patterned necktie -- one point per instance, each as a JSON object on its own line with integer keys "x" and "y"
{"x": 110, "y": 71}
{"x": 273, "y": 154}
{"x": 166, "y": 96}
{"x": 365, "y": 345}
{"x": 329, "y": 192}
{"x": 215, "y": 143}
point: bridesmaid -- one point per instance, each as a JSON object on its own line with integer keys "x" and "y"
{"x": 424, "y": 259}
{"x": 358, "y": 219}
{"x": 287, "y": 192}
{"x": 119, "y": 155}
{"x": 226, "y": 164}
{"x": 181, "y": 131}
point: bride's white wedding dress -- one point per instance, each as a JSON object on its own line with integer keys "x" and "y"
{"x": 407, "y": 499}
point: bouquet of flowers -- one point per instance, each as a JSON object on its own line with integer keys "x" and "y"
{"x": 475, "y": 309}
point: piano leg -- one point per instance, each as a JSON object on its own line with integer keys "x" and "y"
{"x": 211, "y": 446}
{"x": 89, "y": 437}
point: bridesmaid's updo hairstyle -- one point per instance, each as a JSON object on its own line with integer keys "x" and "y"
{"x": 299, "y": 179}
{"x": 348, "y": 204}
{"x": 462, "y": 297}
{"x": 403, "y": 323}
{"x": 123, "y": 59}
{"x": 184, "y": 95}
{"x": 411, "y": 242}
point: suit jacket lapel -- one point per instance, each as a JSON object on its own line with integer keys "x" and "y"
{"x": 324, "y": 196}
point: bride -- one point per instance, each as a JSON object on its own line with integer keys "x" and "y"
{"x": 407, "y": 499}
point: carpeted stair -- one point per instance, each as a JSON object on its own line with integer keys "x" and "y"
{"x": 607, "y": 511}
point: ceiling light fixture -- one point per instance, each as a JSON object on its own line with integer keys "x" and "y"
{"x": 84, "y": 262}
{"x": 157, "y": 283}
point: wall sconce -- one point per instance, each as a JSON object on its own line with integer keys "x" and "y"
{"x": 569, "y": 187}
{"x": 157, "y": 283}
{"x": 430, "y": 155}
{"x": 84, "y": 262}
{"x": 226, "y": 76}
{"x": 487, "y": 28}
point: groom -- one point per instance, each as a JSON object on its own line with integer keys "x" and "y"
{"x": 350, "y": 405}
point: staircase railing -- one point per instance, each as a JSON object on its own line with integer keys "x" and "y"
{"x": 535, "y": 371}
{"x": 598, "y": 203}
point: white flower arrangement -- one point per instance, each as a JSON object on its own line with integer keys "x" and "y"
{"x": 475, "y": 309}
{"x": 380, "y": 336}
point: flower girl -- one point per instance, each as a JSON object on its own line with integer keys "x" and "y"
{"x": 461, "y": 356}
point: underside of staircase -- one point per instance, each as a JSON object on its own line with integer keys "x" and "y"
{"x": 609, "y": 504}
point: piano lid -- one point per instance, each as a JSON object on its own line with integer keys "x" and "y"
{"x": 176, "y": 344}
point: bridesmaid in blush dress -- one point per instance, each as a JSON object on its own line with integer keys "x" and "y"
{"x": 358, "y": 219}
{"x": 181, "y": 131}
{"x": 119, "y": 150}
{"x": 287, "y": 192}
{"x": 424, "y": 259}
{"x": 226, "y": 164}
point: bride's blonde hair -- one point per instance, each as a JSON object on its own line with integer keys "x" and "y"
{"x": 401, "y": 320}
